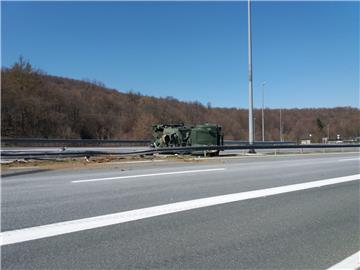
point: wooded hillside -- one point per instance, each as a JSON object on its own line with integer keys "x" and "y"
{"x": 37, "y": 105}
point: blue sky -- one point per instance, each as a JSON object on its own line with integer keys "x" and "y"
{"x": 307, "y": 52}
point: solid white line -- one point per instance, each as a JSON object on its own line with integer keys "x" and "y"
{"x": 147, "y": 175}
{"x": 350, "y": 263}
{"x": 38, "y": 232}
{"x": 348, "y": 159}
{"x": 139, "y": 161}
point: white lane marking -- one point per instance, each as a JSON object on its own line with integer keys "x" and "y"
{"x": 348, "y": 159}
{"x": 147, "y": 175}
{"x": 139, "y": 161}
{"x": 350, "y": 263}
{"x": 38, "y": 232}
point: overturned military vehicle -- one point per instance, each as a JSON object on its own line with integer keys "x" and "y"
{"x": 179, "y": 135}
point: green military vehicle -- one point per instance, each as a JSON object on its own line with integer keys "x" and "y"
{"x": 170, "y": 135}
{"x": 205, "y": 135}
{"x": 179, "y": 135}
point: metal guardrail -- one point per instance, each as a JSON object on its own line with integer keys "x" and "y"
{"x": 68, "y": 142}
{"x": 179, "y": 150}
{"x": 235, "y": 142}
{"x": 97, "y": 142}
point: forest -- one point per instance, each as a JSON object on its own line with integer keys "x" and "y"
{"x": 37, "y": 105}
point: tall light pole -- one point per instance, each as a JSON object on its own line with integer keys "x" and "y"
{"x": 251, "y": 128}
{"x": 280, "y": 128}
{"x": 254, "y": 129}
{"x": 262, "y": 112}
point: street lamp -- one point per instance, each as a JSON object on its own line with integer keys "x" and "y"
{"x": 262, "y": 112}
{"x": 254, "y": 129}
{"x": 280, "y": 127}
{"x": 251, "y": 128}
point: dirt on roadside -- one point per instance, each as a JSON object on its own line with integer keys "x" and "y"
{"x": 93, "y": 162}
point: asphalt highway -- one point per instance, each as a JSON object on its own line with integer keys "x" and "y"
{"x": 300, "y": 226}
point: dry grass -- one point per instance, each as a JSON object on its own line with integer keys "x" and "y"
{"x": 94, "y": 162}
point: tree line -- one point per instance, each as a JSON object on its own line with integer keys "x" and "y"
{"x": 37, "y": 105}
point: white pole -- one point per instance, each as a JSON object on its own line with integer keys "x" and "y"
{"x": 251, "y": 128}
{"x": 280, "y": 128}
{"x": 262, "y": 113}
{"x": 254, "y": 129}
